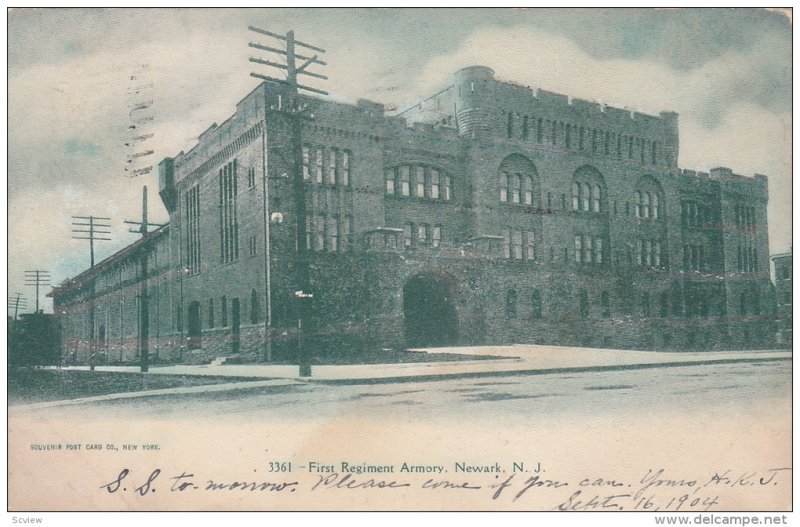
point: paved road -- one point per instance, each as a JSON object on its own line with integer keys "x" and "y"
{"x": 728, "y": 388}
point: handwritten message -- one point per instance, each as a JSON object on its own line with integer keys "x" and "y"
{"x": 656, "y": 490}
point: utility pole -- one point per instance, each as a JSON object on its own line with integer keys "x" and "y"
{"x": 37, "y": 278}
{"x": 15, "y": 303}
{"x": 294, "y": 110}
{"x": 144, "y": 312}
{"x": 98, "y": 230}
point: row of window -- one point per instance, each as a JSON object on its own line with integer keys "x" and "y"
{"x": 587, "y": 197}
{"x": 570, "y": 136}
{"x": 694, "y": 257}
{"x": 696, "y": 305}
{"x": 647, "y": 205}
{"x": 329, "y": 233}
{"x": 329, "y": 165}
{"x": 648, "y": 254}
{"x": 694, "y": 214}
{"x": 516, "y": 188}
{"x": 192, "y": 199}
{"x": 519, "y": 244}
{"x": 422, "y": 234}
{"x": 746, "y": 258}
{"x": 419, "y": 181}
{"x": 745, "y": 216}
{"x": 228, "y": 224}
{"x": 589, "y": 249}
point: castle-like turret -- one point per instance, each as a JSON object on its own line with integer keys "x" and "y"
{"x": 472, "y": 90}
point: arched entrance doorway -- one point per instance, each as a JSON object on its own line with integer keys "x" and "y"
{"x": 429, "y": 312}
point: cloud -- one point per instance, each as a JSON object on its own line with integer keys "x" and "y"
{"x": 726, "y": 72}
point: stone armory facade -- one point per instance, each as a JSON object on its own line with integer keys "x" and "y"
{"x": 488, "y": 213}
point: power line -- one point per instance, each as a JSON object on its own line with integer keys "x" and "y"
{"x": 17, "y": 302}
{"x": 98, "y": 230}
{"x": 36, "y": 278}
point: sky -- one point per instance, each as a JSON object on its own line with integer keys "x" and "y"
{"x": 727, "y": 72}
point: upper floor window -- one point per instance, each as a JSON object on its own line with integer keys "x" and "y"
{"x": 588, "y": 189}
{"x": 318, "y": 161}
{"x": 648, "y": 198}
{"x": 589, "y": 249}
{"x": 649, "y": 254}
{"x": 519, "y": 244}
{"x": 332, "y": 166}
{"x": 423, "y": 181}
{"x": 518, "y": 180}
{"x": 306, "y": 162}
{"x": 345, "y": 174}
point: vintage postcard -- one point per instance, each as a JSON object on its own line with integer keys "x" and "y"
{"x": 400, "y": 260}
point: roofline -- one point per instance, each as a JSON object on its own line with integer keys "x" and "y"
{"x": 106, "y": 262}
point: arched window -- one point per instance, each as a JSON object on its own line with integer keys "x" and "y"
{"x": 516, "y": 187}
{"x": 503, "y": 187}
{"x": 649, "y": 198}
{"x": 528, "y": 188}
{"x": 639, "y": 201}
{"x": 576, "y": 196}
{"x": 588, "y": 190}
{"x": 519, "y": 181}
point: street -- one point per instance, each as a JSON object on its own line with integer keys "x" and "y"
{"x": 724, "y": 388}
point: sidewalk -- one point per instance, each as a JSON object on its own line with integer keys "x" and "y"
{"x": 510, "y": 360}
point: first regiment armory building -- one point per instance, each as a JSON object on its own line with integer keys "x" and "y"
{"x": 489, "y": 213}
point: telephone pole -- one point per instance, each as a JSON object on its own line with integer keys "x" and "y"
{"x": 16, "y": 302}
{"x": 284, "y": 58}
{"x": 144, "y": 311}
{"x": 92, "y": 228}
{"x": 37, "y": 278}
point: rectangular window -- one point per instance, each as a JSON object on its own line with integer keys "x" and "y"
{"x": 507, "y": 243}
{"x": 390, "y": 182}
{"x": 587, "y": 249}
{"x": 422, "y": 233}
{"x": 345, "y": 175}
{"x": 517, "y": 242}
{"x": 193, "y": 229}
{"x": 577, "y": 249}
{"x": 536, "y": 304}
{"x": 345, "y": 241}
{"x": 319, "y": 233}
{"x": 504, "y": 180}
{"x": 434, "y": 175}
{"x": 598, "y": 250}
{"x": 405, "y": 180}
{"x": 318, "y": 160}
{"x": 530, "y": 245}
{"x": 448, "y": 188}
{"x": 408, "y": 234}
{"x": 309, "y": 232}
{"x": 638, "y": 252}
{"x": 436, "y": 235}
{"x": 333, "y": 234}
{"x": 306, "y": 162}
{"x": 332, "y": 166}
{"x": 420, "y": 181}
{"x": 229, "y": 226}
